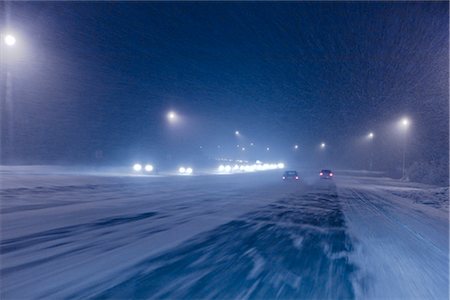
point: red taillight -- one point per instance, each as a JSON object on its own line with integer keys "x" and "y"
{"x": 321, "y": 174}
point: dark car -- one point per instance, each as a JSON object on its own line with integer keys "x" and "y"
{"x": 290, "y": 175}
{"x": 326, "y": 174}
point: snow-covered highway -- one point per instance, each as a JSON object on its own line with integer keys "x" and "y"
{"x": 237, "y": 236}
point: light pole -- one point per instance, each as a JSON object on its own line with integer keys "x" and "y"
{"x": 7, "y": 41}
{"x": 370, "y": 137}
{"x": 404, "y": 123}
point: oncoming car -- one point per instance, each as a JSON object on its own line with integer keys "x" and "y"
{"x": 326, "y": 174}
{"x": 290, "y": 175}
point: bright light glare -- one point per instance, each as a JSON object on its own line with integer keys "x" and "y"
{"x": 296, "y": 147}
{"x": 182, "y": 170}
{"x": 171, "y": 116}
{"x": 405, "y": 122}
{"x": 259, "y": 166}
{"x": 322, "y": 145}
{"x": 236, "y": 132}
{"x": 148, "y": 168}
{"x": 137, "y": 167}
{"x": 9, "y": 40}
{"x": 268, "y": 149}
{"x": 189, "y": 171}
{"x": 249, "y": 168}
{"x": 370, "y": 135}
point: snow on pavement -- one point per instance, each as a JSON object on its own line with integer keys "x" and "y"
{"x": 241, "y": 236}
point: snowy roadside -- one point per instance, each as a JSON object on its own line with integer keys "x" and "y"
{"x": 400, "y": 234}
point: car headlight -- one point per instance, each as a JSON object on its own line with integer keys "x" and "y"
{"x": 148, "y": 168}
{"x": 137, "y": 167}
{"x": 189, "y": 171}
{"x": 182, "y": 170}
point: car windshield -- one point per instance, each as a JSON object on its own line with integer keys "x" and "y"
{"x": 175, "y": 150}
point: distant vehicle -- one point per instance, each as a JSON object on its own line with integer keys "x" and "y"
{"x": 290, "y": 175}
{"x": 326, "y": 174}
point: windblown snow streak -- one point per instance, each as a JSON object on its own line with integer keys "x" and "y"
{"x": 287, "y": 249}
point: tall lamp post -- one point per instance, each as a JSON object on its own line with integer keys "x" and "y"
{"x": 370, "y": 137}
{"x": 6, "y": 41}
{"x": 404, "y": 124}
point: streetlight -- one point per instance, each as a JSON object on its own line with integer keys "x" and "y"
{"x": 7, "y": 77}
{"x": 404, "y": 124}
{"x": 237, "y": 132}
{"x": 9, "y": 40}
{"x": 322, "y": 145}
{"x": 370, "y": 137}
{"x": 267, "y": 149}
{"x": 172, "y": 116}
{"x": 295, "y": 147}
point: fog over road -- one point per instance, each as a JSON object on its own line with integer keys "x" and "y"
{"x": 236, "y": 236}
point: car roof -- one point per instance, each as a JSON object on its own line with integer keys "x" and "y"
{"x": 290, "y": 171}
{"x": 325, "y": 170}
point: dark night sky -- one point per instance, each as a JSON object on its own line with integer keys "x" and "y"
{"x": 102, "y": 75}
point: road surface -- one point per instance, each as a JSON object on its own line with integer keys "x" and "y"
{"x": 216, "y": 237}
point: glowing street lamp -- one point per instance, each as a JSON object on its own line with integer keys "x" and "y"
{"x": 370, "y": 137}
{"x": 9, "y": 40}
{"x": 295, "y": 147}
{"x": 237, "y": 133}
{"x": 322, "y": 146}
{"x": 172, "y": 116}
{"x": 404, "y": 123}
{"x": 267, "y": 149}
